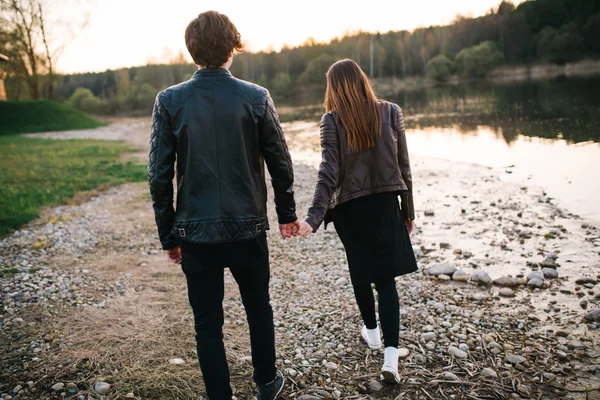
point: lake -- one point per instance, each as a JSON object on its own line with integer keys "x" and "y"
{"x": 546, "y": 133}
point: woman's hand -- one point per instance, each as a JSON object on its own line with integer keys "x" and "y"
{"x": 410, "y": 225}
{"x": 305, "y": 229}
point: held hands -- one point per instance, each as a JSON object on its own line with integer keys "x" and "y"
{"x": 298, "y": 228}
{"x": 410, "y": 225}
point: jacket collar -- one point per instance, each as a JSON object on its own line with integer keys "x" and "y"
{"x": 211, "y": 72}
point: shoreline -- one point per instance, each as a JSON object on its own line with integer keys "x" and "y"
{"x": 101, "y": 283}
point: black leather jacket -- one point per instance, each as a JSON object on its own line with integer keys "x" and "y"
{"x": 345, "y": 175}
{"x": 220, "y": 131}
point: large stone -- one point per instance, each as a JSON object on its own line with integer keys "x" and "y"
{"x": 458, "y": 353}
{"x": 515, "y": 359}
{"x": 506, "y": 292}
{"x": 403, "y": 352}
{"x": 592, "y": 316}
{"x": 176, "y": 361}
{"x": 428, "y": 336}
{"x": 442, "y": 269}
{"x": 481, "y": 278}
{"x": 535, "y": 283}
{"x": 506, "y": 281}
{"x": 584, "y": 280}
{"x": 489, "y": 373}
{"x": 549, "y": 262}
{"x": 550, "y": 273}
{"x": 449, "y": 376}
{"x": 375, "y": 385}
{"x": 102, "y": 388}
{"x": 331, "y": 365}
{"x": 57, "y": 387}
{"x": 535, "y": 275}
{"x": 460, "y": 276}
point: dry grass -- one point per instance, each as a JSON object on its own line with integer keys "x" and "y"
{"x": 129, "y": 343}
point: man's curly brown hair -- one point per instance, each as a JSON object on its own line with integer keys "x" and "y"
{"x": 210, "y": 38}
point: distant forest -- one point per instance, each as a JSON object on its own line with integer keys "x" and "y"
{"x": 536, "y": 31}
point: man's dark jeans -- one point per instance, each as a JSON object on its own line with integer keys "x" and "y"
{"x": 249, "y": 265}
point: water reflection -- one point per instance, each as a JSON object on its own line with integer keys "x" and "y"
{"x": 559, "y": 109}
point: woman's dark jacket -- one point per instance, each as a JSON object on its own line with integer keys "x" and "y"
{"x": 345, "y": 175}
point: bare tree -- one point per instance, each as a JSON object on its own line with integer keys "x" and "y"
{"x": 25, "y": 35}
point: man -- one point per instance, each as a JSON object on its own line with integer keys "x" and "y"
{"x": 220, "y": 130}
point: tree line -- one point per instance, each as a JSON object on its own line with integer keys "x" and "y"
{"x": 535, "y": 31}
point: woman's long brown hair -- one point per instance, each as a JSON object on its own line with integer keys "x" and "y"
{"x": 350, "y": 95}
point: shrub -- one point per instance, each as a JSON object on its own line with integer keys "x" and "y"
{"x": 440, "y": 68}
{"x": 479, "y": 60}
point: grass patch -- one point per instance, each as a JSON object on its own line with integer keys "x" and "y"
{"x": 37, "y": 172}
{"x": 549, "y": 236}
{"x": 41, "y": 116}
{"x": 8, "y": 272}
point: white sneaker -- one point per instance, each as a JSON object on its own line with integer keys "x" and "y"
{"x": 372, "y": 337}
{"x": 389, "y": 371}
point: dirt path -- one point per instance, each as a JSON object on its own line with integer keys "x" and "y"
{"x": 95, "y": 302}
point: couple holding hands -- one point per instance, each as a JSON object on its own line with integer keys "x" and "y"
{"x": 220, "y": 131}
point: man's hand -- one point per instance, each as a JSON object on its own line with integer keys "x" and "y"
{"x": 289, "y": 230}
{"x": 305, "y": 229}
{"x": 174, "y": 255}
{"x": 410, "y": 225}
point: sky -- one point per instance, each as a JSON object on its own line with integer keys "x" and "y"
{"x": 125, "y": 33}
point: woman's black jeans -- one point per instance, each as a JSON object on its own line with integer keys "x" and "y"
{"x": 205, "y": 292}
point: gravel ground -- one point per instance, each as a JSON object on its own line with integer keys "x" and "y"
{"x": 504, "y": 305}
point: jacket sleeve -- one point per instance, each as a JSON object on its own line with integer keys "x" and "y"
{"x": 408, "y": 207}
{"x": 275, "y": 152}
{"x": 161, "y": 170}
{"x": 328, "y": 176}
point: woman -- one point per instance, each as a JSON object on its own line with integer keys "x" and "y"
{"x": 364, "y": 168}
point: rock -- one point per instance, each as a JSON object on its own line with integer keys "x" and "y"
{"x": 515, "y": 359}
{"x": 583, "y": 304}
{"x": 177, "y": 361}
{"x": 549, "y": 263}
{"x": 375, "y": 386}
{"x": 341, "y": 281}
{"x": 17, "y": 389}
{"x": 535, "y": 275}
{"x": 584, "y": 280}
{"x": 102, "y": 388}
{"x": 303, "y": 276}
{"x": 460, "y": 276}
{"x": 550, "y": 273}
{"x": 506, "y": 292}
{"x": 130, "y": 395}
{"x": 444, "y": 246}
{"x": 309, "y": 338}
{"x": 561, "y": 355}
{"x": 331, "y": 365}
{"x": 506, "y": 281}
{"x": 308, "y": 397}
{"x": 524, "y": 389}
{"x": 592, "y": 316}
{"x": 428, "y": 336}
{"x": 535, "y": 283}
{"x": 403, "y": 352}
{"x": 481, "y": 278}
{"x": 489, "y": 373}
{"x": 463, "y": 347}
{"x": 442, "y": 269}
{"x": 548, "y": 376}
{"x": 57, "y": 387}
{"x": 449, "y": 376}
{"x": 458, "y": 353}
{"x": 291, "y": 372}
{"x": 444, "y": 277}
{"x": 429, "y": 213}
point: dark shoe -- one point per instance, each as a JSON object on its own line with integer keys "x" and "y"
{"x": 270, "y": 391}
